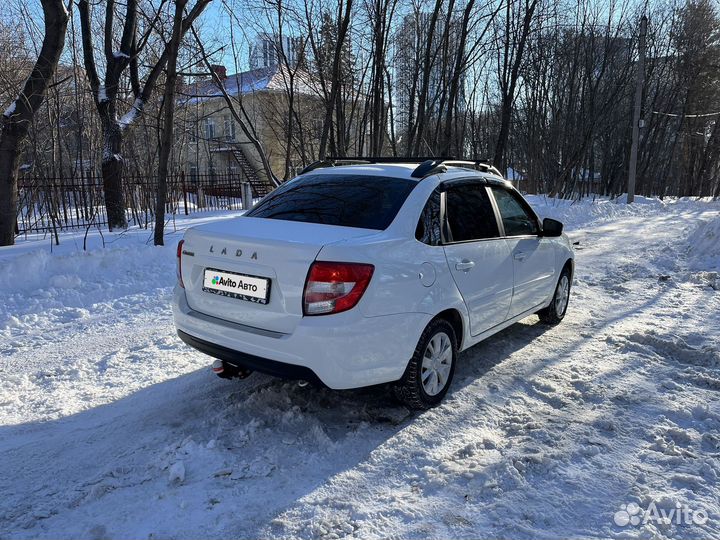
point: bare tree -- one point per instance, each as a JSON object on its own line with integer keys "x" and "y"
{"x": 107, "y": 94}
{"x": 415, "y": 134}
{"x": 516, "y": 31}
{"x": 18, "y": 116}
{"x": 325, "y": 48}
{"x": 166, "y": 139}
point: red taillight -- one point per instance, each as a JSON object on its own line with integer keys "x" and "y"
{"x": 179, "y": 263}
{"x": 332, "y": 287}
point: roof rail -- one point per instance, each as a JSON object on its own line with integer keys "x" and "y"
{"x": 440, "y": 165}
{"x": 317, "y": 165}
{"x": 387, "y": 159}
{"x": 478, "y": 164}
{"x": 426, "y": 167}
{"x": 334, "y": 161}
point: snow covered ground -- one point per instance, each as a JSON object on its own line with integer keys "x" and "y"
{"x": 110, "y": 427}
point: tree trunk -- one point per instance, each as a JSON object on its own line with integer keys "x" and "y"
{"x": 377, "y": 125}
{"x": 455, "y": 82}
{"x": 18, "y": 117}
{"x": 336, "y": 81}
{"x": 505, "y": 115}
{"x": 112, "y": 169}
{"x": 417, "y": 130}
{"x": 8, "y": 187}
{"x": 511, "y": 78}
{"x": 709, "y": 162}
{"x": 290, "y": 129}
{"x": 168, "y": 119}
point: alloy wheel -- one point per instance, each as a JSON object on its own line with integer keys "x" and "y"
{"x": 436, "y": 364}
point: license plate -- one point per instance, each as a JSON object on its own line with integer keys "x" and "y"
{"x": 242, "y": 286}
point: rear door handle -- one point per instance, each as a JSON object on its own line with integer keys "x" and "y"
{"x": 464, "y": 265}
{"x": 520, "y": 256}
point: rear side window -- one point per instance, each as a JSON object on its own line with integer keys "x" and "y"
{"x": 516, "y": 218}
{"x": 429, "y": 227}
{"x": 368, "y": 202}
{"x": 470, "y": 215}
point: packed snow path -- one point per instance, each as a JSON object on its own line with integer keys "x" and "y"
{"x": 111, "y": 428}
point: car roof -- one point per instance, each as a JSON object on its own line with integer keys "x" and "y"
{"x": 405, "y": 170}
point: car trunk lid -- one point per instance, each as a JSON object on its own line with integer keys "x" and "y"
{"x": 277, "y": 250}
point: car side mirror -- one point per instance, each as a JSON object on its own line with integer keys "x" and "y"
{"x": 551, "y": 227}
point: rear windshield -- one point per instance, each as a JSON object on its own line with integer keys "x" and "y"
{"x": 367, "y": 202}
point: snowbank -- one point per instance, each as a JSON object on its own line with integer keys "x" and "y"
{"x": 704, "y": 245}
{"x": 589, "y": 211}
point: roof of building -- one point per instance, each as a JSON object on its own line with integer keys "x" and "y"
{"x": 272, "y": 78}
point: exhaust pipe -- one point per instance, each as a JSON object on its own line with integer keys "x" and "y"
{"x": 218, "y": 367}
{"x": 228, "y": 371}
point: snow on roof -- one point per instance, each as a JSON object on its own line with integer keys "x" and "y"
{"x": 273, "y": 78}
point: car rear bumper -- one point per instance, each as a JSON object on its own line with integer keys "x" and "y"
{"x": 345, "y": 350}
{"x": 251, "y": 362}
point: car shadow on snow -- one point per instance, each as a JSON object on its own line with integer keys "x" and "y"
{"x": 244, "y": 437}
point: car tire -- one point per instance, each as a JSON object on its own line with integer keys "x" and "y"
{"x": 555, "y": 312}
{"x": 428, "y": 375}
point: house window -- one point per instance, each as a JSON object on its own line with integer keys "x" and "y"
{"x": 229, "y": 128}
{"x": 209, "y": 128}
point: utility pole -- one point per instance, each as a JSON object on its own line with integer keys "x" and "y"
{"x": 636, "y": 110}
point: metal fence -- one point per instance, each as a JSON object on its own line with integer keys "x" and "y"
{"x": 57, "y": 204}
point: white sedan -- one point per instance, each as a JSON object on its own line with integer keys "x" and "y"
{"x": 368, "y": 273}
